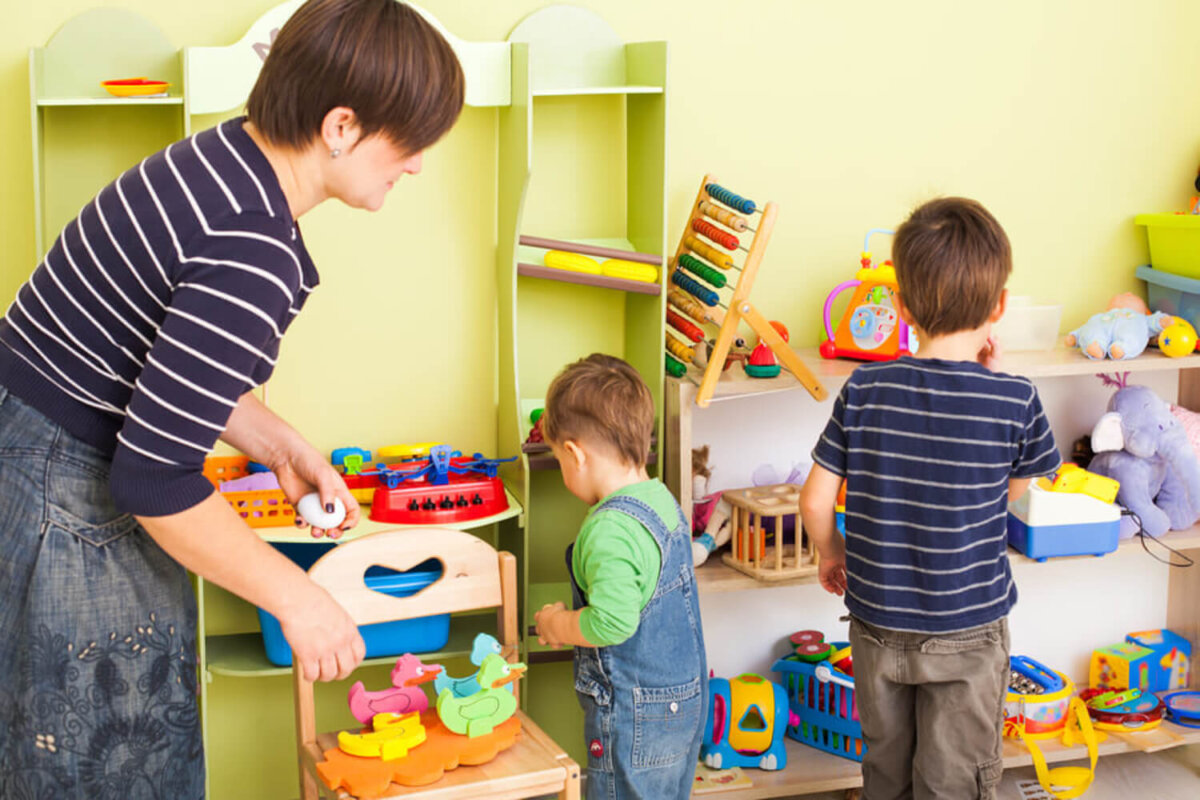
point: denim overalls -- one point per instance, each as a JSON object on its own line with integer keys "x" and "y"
{"x": 97, "y": 632}
{"x": 643, "y": 699}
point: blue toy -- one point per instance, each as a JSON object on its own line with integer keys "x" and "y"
{"x": 442, "y": 462}
{"x": 483, "y": 646}
{"x": 746, "y": 721}
{"x": 350, "y": 459}
{"x": 1117, "y": 333}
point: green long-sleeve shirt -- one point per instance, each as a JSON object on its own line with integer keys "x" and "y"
{"x": 616, "y": 563}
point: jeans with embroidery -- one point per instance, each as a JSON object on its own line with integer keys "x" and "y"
{"x": 97, "y": 632}
{"x": 643, "y": 700}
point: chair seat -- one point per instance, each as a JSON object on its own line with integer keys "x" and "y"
{"x": 532, "y": 767}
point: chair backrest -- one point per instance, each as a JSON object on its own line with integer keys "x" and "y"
{"x": 471, "y": 574}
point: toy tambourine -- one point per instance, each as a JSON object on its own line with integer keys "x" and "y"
{"x": 1141, "y": 713}
{"x": 1183, "y": 708}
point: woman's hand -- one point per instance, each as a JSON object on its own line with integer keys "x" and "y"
{"x": 325, "y": 641}
{"x": 302, "y": 470}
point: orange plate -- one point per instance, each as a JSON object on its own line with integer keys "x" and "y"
{"x": 135, "y": 87}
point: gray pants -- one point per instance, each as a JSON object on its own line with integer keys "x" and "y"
{"x": 932, "y": 710}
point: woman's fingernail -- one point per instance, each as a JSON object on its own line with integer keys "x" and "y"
{"x": 329, "y": 508}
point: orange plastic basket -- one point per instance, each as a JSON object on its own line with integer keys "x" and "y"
{"x": 259, "y": 509}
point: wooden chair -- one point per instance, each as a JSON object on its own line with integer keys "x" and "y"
{"x": 474, "y": 576}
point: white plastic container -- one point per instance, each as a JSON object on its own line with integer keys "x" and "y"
{"x": 1025, "y": 326}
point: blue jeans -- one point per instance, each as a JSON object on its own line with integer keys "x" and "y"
{"x": 98, "y": 689}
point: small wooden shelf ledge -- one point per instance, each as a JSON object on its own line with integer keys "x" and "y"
{"x": 586, "y": 279}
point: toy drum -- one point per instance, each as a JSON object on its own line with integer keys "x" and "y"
{"x": 1038, "y": 699}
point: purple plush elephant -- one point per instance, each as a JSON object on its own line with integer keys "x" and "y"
{"x": 1141, "y": 444}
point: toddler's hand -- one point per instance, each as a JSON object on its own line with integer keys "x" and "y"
{"x": 833, "y": 575}
{"x": 542, "y": 620}
{"x": 991, "y": 353}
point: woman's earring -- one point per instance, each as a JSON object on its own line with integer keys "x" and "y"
{"x": 334, "y": 153}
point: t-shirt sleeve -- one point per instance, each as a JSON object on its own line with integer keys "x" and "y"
{"x": 830, "y": 451}
{"x": 614, "y": 570}
{"x": 232, "y": 299}
{"x": 1037, "y": 452}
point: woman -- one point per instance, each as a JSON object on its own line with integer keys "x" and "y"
{"x": 133, "y": 348}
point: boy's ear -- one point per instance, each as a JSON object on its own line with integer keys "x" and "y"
{"x": 1001, "y": 305}
{"x": 902, "y": 310}
{"x": 574, "y": 452}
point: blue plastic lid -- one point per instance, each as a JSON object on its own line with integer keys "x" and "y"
{"x": 1165, "y": 279}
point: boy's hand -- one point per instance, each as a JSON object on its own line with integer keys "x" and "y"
{"x": 542, "y": 620}
{"x": 833, "y": 575}
{"x": 991, "y": 353}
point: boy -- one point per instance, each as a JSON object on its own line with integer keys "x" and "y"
{"x": 932, "y": 448}
{"x": 640, "y": 670}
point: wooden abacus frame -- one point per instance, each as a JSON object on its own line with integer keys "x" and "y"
{"x": 740, "y": 308}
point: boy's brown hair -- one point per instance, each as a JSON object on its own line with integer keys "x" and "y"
{"x": 378, "y": 57}
{"x": 601, "y": 400}
{"x": 952, "y": 261}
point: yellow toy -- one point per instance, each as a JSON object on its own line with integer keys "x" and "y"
{"x": 478, "y": 714}
{"x": 393, "y": 736}
{"x": 1074, "y": 478}
{"x": 1177, "y": 339}
{"x": 405, "y": 452}
{"x": 629, "y": 270}
{"x": 573, "y": 262}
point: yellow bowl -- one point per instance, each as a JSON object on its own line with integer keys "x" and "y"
{"x": 135, "y": 87}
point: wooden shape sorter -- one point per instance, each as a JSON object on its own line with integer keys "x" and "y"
{"x": 441, "y": 752}
{"x": 789, "y": 554}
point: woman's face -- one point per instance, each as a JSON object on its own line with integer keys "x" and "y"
{"x": 362, "y": 176}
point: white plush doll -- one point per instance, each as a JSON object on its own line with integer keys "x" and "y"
{"x": 710, "y": 514}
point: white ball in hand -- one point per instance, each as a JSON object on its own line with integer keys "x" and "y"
{"x": 314, "y": 514}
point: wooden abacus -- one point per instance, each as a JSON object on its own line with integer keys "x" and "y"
{"x": 694, "y": 298}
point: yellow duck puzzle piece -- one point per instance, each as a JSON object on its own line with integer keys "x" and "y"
{"x": 393, "y": 737}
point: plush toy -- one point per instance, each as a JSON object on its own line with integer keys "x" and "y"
{"x": 1120, "y": 332}
{"x": 710, "y": 514}
{"x": 1140, "y": 443}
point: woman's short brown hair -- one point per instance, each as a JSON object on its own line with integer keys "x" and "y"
{"x": 601, "y": 400}
{"x": 378, "y": 57}
{"x": 952, "y": 261}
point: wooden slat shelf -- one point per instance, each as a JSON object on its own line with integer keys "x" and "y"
{"x": 587, "y": 279}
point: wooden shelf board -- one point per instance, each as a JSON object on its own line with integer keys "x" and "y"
{"x": 810, "y": 771}
{"x": 289, "y": 533}
{"x": 573, "y": 91}
{"x": 1059, "y": 362}
{"x": 546, "y": 461}
{"x": 241, "y": 655}
{"x": 586, "y": 279}
{"x": 715, "y": 576}
{"x": 171, "y": 100}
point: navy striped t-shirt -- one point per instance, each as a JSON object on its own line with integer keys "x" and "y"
{"x": 157, "y": 308}
{"x": 927, "y": 448}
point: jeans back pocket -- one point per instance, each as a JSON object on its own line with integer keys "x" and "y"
{"x": 79, "y": 501}
{"x": 666, "y": 723}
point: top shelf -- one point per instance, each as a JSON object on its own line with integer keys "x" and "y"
{"x": 170, "y": 100}
{"x": 1059, "y": 362}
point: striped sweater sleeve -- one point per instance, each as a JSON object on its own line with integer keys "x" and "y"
{"x": 830, "y": 451}
{"x": 234, "y": 293}
{"x": 1038, "y": 453}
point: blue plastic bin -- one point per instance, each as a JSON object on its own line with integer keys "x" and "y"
{"x": 418, "y": 635}
{"x": 1172, "y": 294}
{"x": 827, "y": 710}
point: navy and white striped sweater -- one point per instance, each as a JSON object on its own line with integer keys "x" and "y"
{"x": 927, "y": 448}
{"x": 157, "y": 308}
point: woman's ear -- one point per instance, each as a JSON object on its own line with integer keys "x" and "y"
{"x": 340, "y": 129}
